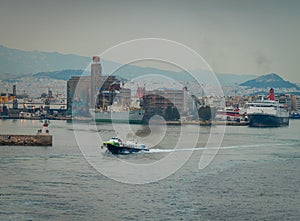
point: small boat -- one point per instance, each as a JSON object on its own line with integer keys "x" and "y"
{"x": 117, "y": 146}
{"x": 229, "y": 114}
{"x": 45, "y": 130}
{"x": 295, "y": 115}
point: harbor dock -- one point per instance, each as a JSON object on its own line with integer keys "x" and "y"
{"x": 208, "y": 123}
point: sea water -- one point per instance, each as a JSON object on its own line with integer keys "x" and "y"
{"x": 254, "y": 176}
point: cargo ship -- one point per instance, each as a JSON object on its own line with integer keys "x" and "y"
{"x": 267, "y": 113}
{"x": 116, "y": 105}
{"x": 133, "y": 116}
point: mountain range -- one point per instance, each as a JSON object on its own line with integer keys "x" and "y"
{"x": 19, "y": 63}
{"x": 15, "y": 64}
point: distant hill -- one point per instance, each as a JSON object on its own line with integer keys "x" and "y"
{"x": 234, "y": 79}
{"x": 19, "y": 62}
{"x": 126, "y": 72}
{"x": 269, "y": 81}
{"x": 131, "y": 72}
{"x": 10, "y": 76}
{"x": 15, "y": 64}
{"x": 59, "y": 75}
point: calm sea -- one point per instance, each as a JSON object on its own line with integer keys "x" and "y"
{"x": 254, "y": 176}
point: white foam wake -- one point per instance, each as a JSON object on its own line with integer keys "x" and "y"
{"x": 173, "y": 150}
{"x": 157, "y": 150}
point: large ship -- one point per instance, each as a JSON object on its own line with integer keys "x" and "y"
{"x": 117, "y": 106}
{"x": 267, "y": 113}
{"x": 134, "y": 116}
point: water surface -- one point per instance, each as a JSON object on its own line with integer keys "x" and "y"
{"x": 255, "y": 176}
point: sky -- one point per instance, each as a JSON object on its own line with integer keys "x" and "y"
{"x": 233, "y": 36}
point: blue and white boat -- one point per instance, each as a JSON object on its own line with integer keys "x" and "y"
{"x": 267, "y": 113}
{"x": 295, "y": 115}
{"x": 116, "y": 146}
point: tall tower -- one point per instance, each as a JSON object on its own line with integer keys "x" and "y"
{"x": 96, "y": 74}
{"x": 15, "y": 101}
{"x": 14, "y": 90}
{"x": 185, "y": 100}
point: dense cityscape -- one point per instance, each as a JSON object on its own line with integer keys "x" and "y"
{"x": 149, "y": 110}
{"x": 58, "y": 98}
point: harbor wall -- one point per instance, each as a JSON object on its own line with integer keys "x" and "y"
{"x": 25, "y": 140}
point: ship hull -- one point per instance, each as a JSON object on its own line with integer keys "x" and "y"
{"x": 132, "y": 117}
{"x": 265, "y": 120}
{"x": 123, "y": 150}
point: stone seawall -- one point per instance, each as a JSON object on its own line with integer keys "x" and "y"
{"x": 25, "y": 140}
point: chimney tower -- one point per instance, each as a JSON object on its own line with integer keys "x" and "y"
{"x": 96, "y": 74}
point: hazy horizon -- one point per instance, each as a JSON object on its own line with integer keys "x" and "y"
{"x": 238, "y": 37}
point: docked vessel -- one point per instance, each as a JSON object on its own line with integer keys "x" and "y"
{"x": 122, "y": 109}
{"x": 295, "y": 115}
{"x": 134, "y": 116}
{"x": 229, "y": 114}
{"x": 267, "y": 113}
{"x": 117, "y": 146}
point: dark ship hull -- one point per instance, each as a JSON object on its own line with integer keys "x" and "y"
{"x": 123, "y": 150}
{"x": 265, "y": 120}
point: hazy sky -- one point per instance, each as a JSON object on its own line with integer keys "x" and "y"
{"x": 233, "y": 36}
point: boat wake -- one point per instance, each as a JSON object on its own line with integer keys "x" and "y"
{"x": 172, "y": 150}
{"x": 154, "y": 150}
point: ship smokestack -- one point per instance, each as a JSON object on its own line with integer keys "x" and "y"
{"x": 271, "y": 96}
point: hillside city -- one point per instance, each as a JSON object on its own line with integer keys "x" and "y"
{"x": 37, "y": 95}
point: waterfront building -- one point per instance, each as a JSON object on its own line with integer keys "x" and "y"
{"x": 161, "y": 99}
{"x": 285, "y": 99}
{"x": 78, "y": 89}
{"x": 296, "y": 104}
{"x": 86, "y": 92}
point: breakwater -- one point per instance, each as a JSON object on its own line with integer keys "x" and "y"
{"x": 25, "y": 140}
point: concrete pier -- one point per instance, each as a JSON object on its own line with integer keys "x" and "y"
{"x": 25, "y": 140}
